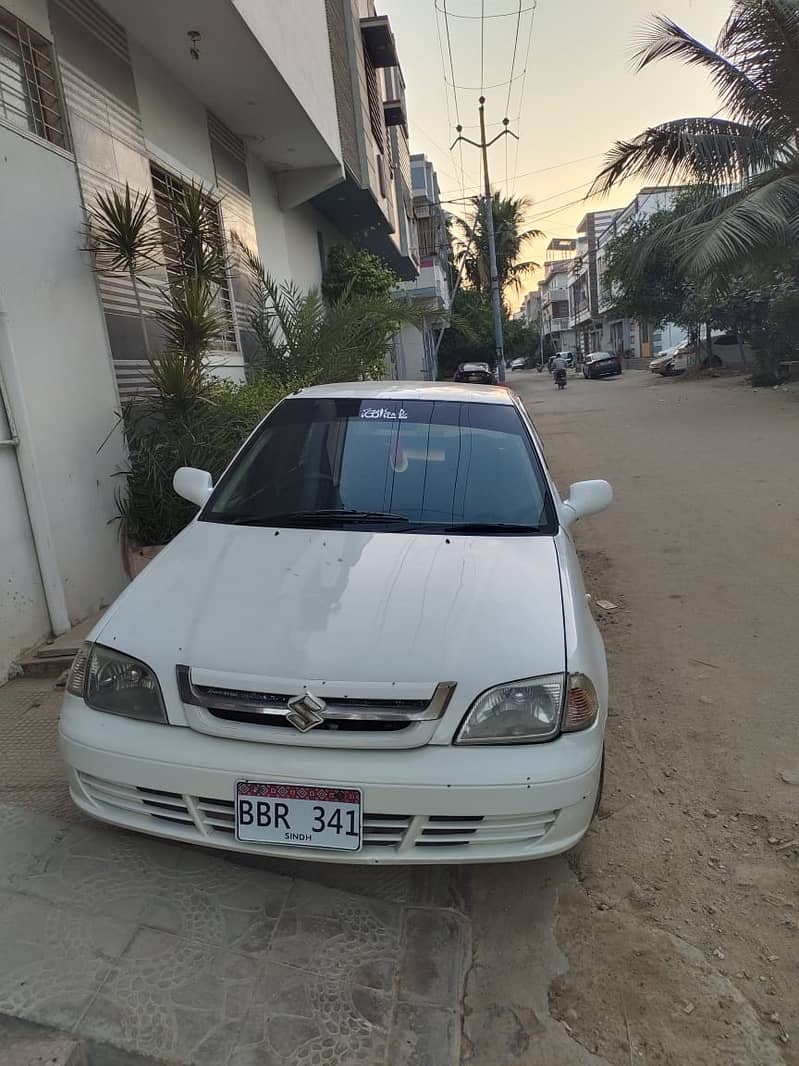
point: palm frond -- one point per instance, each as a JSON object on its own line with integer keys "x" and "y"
{"x": 725, "y": 234}
{"x": 709, "y": 151}
{"x": 744, "y": 96}
{"x": 763, "y": 40}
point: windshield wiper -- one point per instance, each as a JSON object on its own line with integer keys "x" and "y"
{"x": 321, "y": 517}
{"x": 490, "y": 527}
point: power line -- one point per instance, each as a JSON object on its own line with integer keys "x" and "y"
{"x": 524, "y": 85}
{"x": 415, "y": 125}
{"x": 482, "y": 88}
{"x": 451, "y": 63}
{"x": 513, "y": 59}
{"x": 545, "y": 170}
{"x": 495, "y": 15}
{"x": 482, "y": 46}
{"x": 446, "y": 90}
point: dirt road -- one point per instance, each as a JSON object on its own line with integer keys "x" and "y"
{"x": 671, "y": 936}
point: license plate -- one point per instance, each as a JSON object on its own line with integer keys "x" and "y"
{"x": 303, "y": 816}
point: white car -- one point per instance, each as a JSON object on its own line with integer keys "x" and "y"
{"x": 518, "y": 364}
{"x": 318, "y": 665}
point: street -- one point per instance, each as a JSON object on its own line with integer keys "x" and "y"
{"x": 669, "y": 936}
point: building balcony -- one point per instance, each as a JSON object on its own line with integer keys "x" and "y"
{"x": 554, "y": 295}
{"x": 431, "y": 286}
{"x": 556, "y": 325}
{"x": 265, "y": 74}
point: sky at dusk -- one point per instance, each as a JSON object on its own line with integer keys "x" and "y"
{"x": 579, "y": 93}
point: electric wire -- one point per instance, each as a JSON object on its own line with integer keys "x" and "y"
{"x": 521, "y": 95}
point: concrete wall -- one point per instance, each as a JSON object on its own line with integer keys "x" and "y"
{"x": 60, "y": 350}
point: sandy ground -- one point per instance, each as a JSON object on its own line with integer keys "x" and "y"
{"x": 671, "y": 935}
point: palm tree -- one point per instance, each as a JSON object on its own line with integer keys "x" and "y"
{"x": 745, "y": 165}
{"x": 510, "y": 237}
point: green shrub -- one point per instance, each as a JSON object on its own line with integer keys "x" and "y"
{"x": 200, "y": 426}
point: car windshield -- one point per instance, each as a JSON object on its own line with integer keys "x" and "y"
{"x": 429, "y": 466}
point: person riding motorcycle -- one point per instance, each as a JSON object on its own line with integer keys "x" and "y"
{"x": 559, "y": 367}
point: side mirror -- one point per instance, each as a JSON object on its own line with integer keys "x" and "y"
{"x": 193, "y": 484}
{"x": 585, "y": 498}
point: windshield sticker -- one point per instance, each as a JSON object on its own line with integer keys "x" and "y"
{"x": 385, "y": 413}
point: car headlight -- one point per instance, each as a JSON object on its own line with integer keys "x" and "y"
{"x": 115, "y": 683}
{"x": 529, "y": 711}
{"x": 521, "y": 712}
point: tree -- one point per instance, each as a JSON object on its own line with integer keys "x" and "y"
{"x": 747, "y": 163}
{"x": 355, "y": 271}
{"x": 470, "y": 335}
{"x": 647, "y": 288}
{"x": 510, "y": 237}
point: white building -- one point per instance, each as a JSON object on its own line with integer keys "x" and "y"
{"x": 530, "y": 311}
{"x": 584, "y": 315}
{"x": 622, "y": 335}
{"x": 281, "y": 117}
{"x": 414, "y": 355}
{"x": 553, "y": 292}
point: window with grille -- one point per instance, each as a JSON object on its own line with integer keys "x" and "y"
{"x": 168, "y": 191}
{"x": 29, "y": 91}
{"x": 427, "y": 232}
{"x": 374, "y": 100}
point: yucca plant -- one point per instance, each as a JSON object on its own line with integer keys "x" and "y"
{"x": 191, "y": 318}
{"x": 745, "y": 165}
{"x": 200, "y": 250}
{"x": 123, "y": 235}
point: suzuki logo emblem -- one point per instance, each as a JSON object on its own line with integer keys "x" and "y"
{"x": 305, "y": 712}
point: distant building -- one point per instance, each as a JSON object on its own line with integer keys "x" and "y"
{"x": 621, "y": 335}
{"x": 414, "y": 351}
{"x": 584, "y": 316}
{"x": 530, "y": 310}
{"x": 553, "y": 292}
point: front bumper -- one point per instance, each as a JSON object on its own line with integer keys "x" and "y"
{"x": 427, "y": 805}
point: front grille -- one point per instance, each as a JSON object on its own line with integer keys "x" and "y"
{"x": 329, "y": 725}
{"x": 349, "y": 713}
{"x": 203, "y": 819}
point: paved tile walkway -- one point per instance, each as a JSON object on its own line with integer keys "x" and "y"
{"x": 170, "y": 951}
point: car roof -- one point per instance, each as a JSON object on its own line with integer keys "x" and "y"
{"x": 397, "y": 391}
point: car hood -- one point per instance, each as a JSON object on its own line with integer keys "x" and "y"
{"x": 345, "y": 606}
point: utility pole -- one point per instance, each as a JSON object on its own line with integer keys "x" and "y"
{"x": 496, "y": 302}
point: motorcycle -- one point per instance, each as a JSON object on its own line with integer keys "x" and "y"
{"x": 560, "y": 378}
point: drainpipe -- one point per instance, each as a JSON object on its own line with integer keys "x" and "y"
{"x": 20, "y": 439}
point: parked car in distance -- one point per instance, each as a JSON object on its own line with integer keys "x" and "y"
{"x": 475, "y": 374}
{"x": 601, "y": 364}
{"x": 657, "y": 363}
{"x": 672, "y": 361}
{"x": 567, "y": 355}
{"x": 313, "y": 668}
{"x": 518, "y": 364}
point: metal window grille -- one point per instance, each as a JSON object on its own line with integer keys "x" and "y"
{"x": 426, "y": 230}
{"x": 30, "y": 95}
{"x": 167, "y": 191}
{"x": 375, "y": 103}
